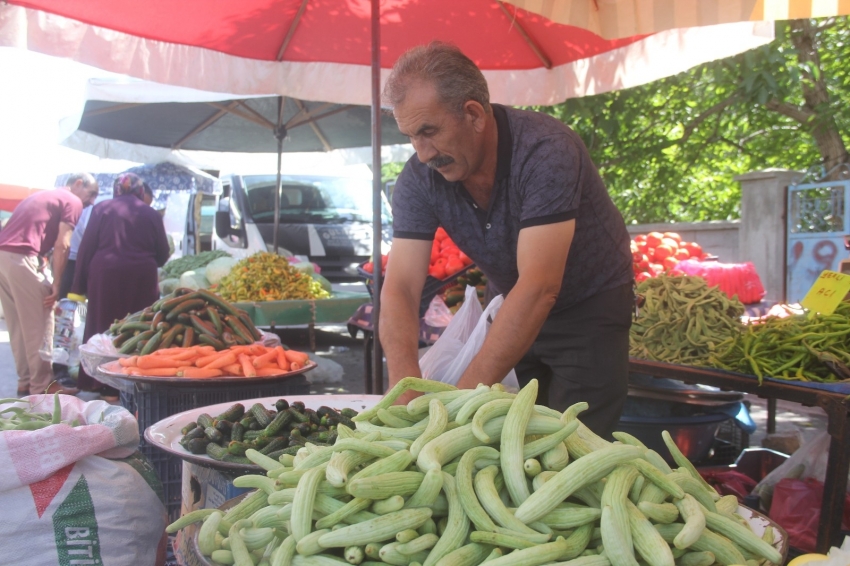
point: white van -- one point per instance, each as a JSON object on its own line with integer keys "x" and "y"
{"x": 326, "y": 218}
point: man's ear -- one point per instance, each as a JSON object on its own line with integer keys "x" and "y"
{"x": 475, "y": 114}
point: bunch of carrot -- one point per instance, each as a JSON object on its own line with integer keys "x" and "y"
{"x": 204, "y": 362}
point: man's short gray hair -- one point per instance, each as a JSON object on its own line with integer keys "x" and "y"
{"x": 454, "y": 75}
{"x": 87, "y": 179}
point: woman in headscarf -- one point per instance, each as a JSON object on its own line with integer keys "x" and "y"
{"x": 116, "y": 269}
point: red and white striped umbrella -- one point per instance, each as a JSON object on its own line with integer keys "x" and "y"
{"x": 320, "y": 49}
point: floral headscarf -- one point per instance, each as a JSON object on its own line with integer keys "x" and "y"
{"x": 129, "y": 184}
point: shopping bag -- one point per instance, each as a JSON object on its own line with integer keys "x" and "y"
{"x": 796, "y": 508}
{"x": 79, "y": 495}
{"x": 450, "y": 355}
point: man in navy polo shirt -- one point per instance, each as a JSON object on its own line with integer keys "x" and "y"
{"x": 518, "y": 193}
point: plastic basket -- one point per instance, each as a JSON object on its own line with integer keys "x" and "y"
{"x": 432, "y": 285}
{"x": 152, "y": 402}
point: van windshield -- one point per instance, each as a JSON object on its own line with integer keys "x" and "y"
{"x": 313, "y": 199}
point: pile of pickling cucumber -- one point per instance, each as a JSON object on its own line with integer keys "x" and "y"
{"x": 283, "y": 431}
{"x": 463, "y": 477}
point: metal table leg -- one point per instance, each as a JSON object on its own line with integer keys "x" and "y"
{"x": 835, "y": 483}
{"x": 368, "y": 338}
{"x": 771, "y": 415}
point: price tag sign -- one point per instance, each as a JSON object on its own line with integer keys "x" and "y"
{"x": 827, "y": 292}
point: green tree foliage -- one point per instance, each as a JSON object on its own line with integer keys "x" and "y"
{"x": 668, "y": 150}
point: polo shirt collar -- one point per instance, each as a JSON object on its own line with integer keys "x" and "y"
{"x": 504, "y": 150}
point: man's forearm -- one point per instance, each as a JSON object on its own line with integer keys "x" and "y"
{"x": 60, "y": 261}
{"x": 514, "y": 330}
{"x": 399, "y": 335}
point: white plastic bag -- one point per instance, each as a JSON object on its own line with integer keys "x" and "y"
{"x": 438, "y": 314}
{"x": 453, "y": 351}
{"x": 78, "y": 495}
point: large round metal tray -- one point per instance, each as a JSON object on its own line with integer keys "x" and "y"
{"x": 165, "y": 434}
{"x": 113, "y": 369}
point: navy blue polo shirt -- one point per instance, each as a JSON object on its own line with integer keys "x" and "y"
{"x": 544, "y": 175}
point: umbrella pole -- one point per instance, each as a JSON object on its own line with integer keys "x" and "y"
{"x": 279, "y": 133}
{"x": 377, "y": 228}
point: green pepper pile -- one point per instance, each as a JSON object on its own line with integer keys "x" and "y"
{"x": 182, "y": 319}
{"x": 229, "y": 435}
{"x": 799, "y": 347}
{"x": 682, "y": 320}
{"x": 266, "y": 276}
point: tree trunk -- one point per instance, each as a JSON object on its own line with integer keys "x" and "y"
{"x": 819, "y": 119}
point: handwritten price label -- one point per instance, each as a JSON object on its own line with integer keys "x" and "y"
{"x": 827, "y": 292}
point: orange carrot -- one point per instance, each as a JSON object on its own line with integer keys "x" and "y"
{"x": 200, "y": 372}
{"x": 159, "y": 372}
{"x": 270, "y": 371}
{"x": 225, "y": 360}
{"x": 152, "y": 362}
{"x": 265, "y": 359}
{"x": 256, "y": 349}
{"x": 233, "y": 369}
{"x": 204, "y": 360}
{"x": 295, "y": 366}
{"x": 299, "y": 357}
{"x": 247, "y": 367}
{"x": 128, "y": 362}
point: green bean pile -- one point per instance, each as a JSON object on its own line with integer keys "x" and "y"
{"x": 682, "y": 320}
{"x": 797, "y": 347}
{"x": 18, "y": 417}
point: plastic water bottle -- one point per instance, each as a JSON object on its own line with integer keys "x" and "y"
{"x": 70, "y": 323}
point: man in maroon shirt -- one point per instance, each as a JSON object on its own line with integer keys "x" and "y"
{"x": 40, "y": 223}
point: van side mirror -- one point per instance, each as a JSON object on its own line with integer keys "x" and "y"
{"x": 222, "y": 223}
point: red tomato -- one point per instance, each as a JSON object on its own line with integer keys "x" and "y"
{"x": 670, "y": 242}
{"x": 676, "y": 272}
{"x": 642, "y": 247}
{"x": 682, "y": 254}
{"x": 440, "y": 234}
{"x": 650, "y": 254}
{"x": 384, "y": 260}
{"x": 653, "y": 239}
{"x": 642, "y": 276}
{"x": 437, "y": 271}
{"x": 672, "y": 236}
{"x": 453, "y": 265}
{"x": 636, "y": 257}
{"x": 694, "y": 249}
{"x": 368, "y": 267}
{"x": 449, "y": 251}
{"x": 435, "y": 253}
{"x": 644, "y": 264}
{"x": 656, "y": 268}
{"x": 670, "y": 263}
{"x": 465, "y": 259}
{"x": 662, "y": 252}
{"x": 640, "y": 238}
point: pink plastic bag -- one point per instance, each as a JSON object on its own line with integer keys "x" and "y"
{"x": 796, "y": 508}
{"x": 739, "y": 279}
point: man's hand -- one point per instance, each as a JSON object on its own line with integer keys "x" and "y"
{"x": 398, "y": 329}
{"x": 541, "y": 259}
{"x": 50, "y": 299}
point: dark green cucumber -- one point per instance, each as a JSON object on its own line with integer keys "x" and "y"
{"x": 177, "y": 300}
{"x": 215, "y": 451}
{"x": 135, "y": 326}
{"x": 130, "y": 345}
{"x": 210, "y": 341}
{"x": 213, "y": 434}
{"x": 188, "y": 337}
{"x": 205, "y": 420}
{"x": 261, "y": 414}
{"x": 217, "y": 301}
{"x": 233, "y": 414}
{"x": 238, "y": 448}
{"x": 197, "y": 445}
{"x": 237, "y": 433}
{"x": 185, "y": 430}
{"x": 249, "y": 324}
{"x": 280, "y": 420}
{"x": 185, "y": 306}
{"x": 275, "y": 445}
{"x": 238, "y": 328}
{"x": 169, "y": 337}
{"x": 152, "y": 344}
{"x": 215, "y": 318}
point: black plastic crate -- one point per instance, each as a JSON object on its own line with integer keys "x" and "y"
{"x": 432, "y": 285}
{"x": 152, "y": 402}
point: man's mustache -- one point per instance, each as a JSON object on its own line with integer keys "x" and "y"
{"x": 440, "y": 161}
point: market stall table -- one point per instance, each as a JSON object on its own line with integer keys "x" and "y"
{"x": 335, "y": 310}
{"x": 833, "y": 399}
